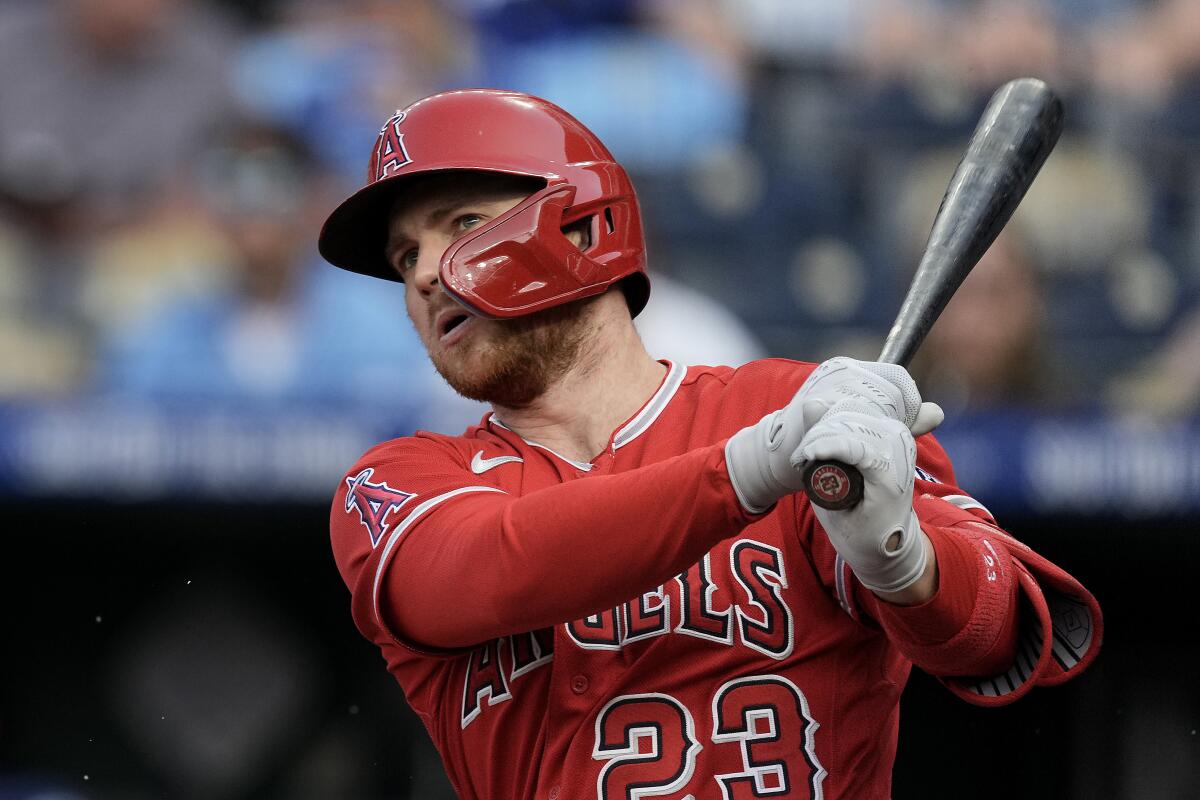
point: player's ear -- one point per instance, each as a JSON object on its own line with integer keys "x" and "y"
{"x": 579, "y": 232}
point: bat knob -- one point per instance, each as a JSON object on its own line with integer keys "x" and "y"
{"x": 833, "y": 485}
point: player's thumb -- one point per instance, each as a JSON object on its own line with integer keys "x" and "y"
{"x": 928, "y": 418}
{"x": 811, "y": 412}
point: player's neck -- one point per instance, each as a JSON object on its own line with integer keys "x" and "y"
{"x": 613, "y": 377}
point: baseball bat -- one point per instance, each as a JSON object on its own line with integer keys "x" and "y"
{"x": 1016, "y": 133}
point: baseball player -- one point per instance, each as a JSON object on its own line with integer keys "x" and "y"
{"x": 612, "y": 587}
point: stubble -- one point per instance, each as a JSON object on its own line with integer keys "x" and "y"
{"x": 521, "y": 359}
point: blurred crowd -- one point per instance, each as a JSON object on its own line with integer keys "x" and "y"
{"x": 165, "y": 165}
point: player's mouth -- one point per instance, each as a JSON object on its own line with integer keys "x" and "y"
{"x": 450, "y": 324}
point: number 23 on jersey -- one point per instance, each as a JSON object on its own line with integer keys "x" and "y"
{"x": 649, "y": 743}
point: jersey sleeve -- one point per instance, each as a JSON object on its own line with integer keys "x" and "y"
{"x": 391, "y": 488}
{"x": 454, "y": 563}
{"x": 1002, "y": 620}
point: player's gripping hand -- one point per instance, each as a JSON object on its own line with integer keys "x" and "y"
{"x": 887, "y": 387}
{"x": 879, "y": 538}
{"x": 759, "y": 457}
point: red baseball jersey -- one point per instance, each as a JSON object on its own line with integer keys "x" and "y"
{"x": 623, "y": 629}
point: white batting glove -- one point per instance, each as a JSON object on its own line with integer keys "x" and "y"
{"x": 759, "y": 457}
{"x": 879, "y": 538}
{"x": 887, "y": 387}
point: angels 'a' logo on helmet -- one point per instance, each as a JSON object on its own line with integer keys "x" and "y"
{"x": 390, "y": 154}
{"x": 373, "y": 501}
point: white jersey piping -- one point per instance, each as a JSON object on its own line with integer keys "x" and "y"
{"x": 658, "y": 403}
{"x": 581, "y": 465}
{"x": 630, "y": 430}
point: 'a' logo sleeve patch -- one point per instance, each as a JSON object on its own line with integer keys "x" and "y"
{"x": 374, "y": 503}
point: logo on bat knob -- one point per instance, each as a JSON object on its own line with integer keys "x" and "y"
{"x": 830, "y": 483}
{"x": 833, "y": 486}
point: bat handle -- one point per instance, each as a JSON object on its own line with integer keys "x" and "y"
{"x": 833, "y": 485}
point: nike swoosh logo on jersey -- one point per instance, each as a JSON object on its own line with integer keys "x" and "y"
{"x": 480, "y": 465}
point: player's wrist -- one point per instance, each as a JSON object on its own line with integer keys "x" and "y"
{"x": 895, "y": 559}
{"x": 924, "y": 587}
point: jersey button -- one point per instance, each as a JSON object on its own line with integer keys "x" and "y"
{"x": 579, "y": 684}
{"x": 554, "y": 793}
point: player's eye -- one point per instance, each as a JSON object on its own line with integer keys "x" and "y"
{"x": 467, "y": 221}
{"x": 406, "y": 261}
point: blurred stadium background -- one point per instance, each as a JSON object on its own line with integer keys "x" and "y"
{"x": 182, "y": 381}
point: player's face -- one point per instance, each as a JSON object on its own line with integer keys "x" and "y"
{"x": 505, "y": 362}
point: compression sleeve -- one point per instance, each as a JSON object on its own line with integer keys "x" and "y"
{"x": 489, "y": 564}
{"x": 1003, "y": 619}
{"x": 969, "y": 626}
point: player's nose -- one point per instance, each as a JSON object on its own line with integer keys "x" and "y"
{"x": 425, "y": 273}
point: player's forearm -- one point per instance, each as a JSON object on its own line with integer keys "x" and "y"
{"x": 491, "y": 565}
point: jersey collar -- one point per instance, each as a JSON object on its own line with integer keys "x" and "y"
{"x": 636, "y": 426}
{"x": 580, "y": 465}
{"x": 657, "y": 403}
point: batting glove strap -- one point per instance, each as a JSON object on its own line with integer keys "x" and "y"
{"x": 880, "y": 538}
{"x": 884, "y": 570}
{"x": 748, "y": 458}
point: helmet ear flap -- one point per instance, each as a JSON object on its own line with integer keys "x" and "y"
{"x": 605, "y": 241}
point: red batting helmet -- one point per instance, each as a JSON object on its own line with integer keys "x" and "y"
{"x": 519, "y": 262}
